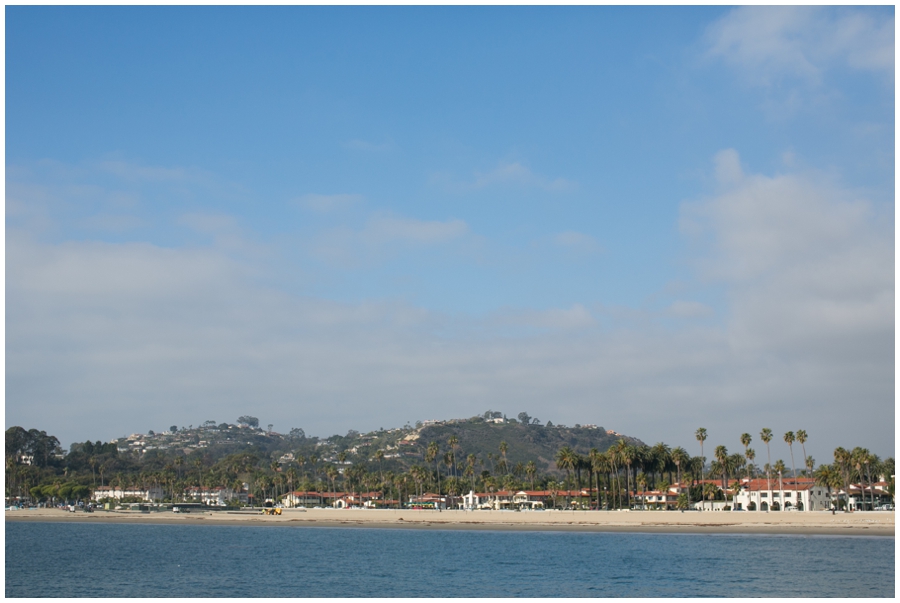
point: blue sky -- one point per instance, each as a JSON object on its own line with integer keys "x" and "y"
{"x": 647, "y": 218}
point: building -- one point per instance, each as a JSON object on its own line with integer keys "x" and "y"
{"x": 523, "y": 499}
{"x": 801, "y": 494}
{"x": 660, "y": 499}
{"x": 151, "y": 494}
{"x": 215, "y": 497}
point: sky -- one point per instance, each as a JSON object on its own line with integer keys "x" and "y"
{"x": 652, "y": 219}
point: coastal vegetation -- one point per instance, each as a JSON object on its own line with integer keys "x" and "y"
{"x": 584, "y": 465}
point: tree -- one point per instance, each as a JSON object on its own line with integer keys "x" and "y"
{"x": 766, "y": 436}
{"x": 802, "y": 437}
{"x": 531, "y": 471}
{"x": 524, "y": 418}
{"x": 565, "y": 459}
{"x": 789, "y": 440}
{"x": 679, "y": 456}
{"x": 827, "y": 476}
{"x": 722, "y": 456}
{"x": 174, "y": 428}
{"x": 454, "y": 444}
{"x": 700, "y": 434}
{"x": 248, "y": 421}
{"x": 431, "y": 454}
{"x": 779, "y": 469}
{"x": 746, "y": 438}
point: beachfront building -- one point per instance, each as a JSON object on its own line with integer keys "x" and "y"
{"x": 151, "y": 494}
{"x": 865, "y": 498}
{"x": 430, "y": 500}
{"x": 215, "y": 497}
{"x": 660, "y": 499}
{"x": 800, "y": 494}
{"x": 302, "y": 498}
{"x": 523, "y": 499}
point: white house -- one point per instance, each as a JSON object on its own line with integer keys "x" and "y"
{"x": 216, "y": 497}
{"x": 801, "y": 494}
{"x": 151, "y": 494}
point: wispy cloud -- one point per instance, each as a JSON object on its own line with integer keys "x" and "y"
{"x": 575, "y": 317}
{"x": 149, "y": 173}
{"x": 117, "y": 223}
{"x": 384, "y": 229}
{"x": 576, "y": 241}
{"x": 327, "y": 203}
{"x": 509, "y": 175}
{"x": 384, "y": 234}
{"x": 689, "y": 309}
{"x": 768, "y": 44}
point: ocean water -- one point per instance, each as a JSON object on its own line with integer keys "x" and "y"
{"x": 138, "y": 560}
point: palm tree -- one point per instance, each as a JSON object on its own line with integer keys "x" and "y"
{"x": 503, "y": 448}
{"x": 751, "y": 455}
{"x": 679, "y": 456}
{"x": 531, "y": 471}
{"x": 454, "y": 442}
{"x": 700, "y": 434}
{"x": 600, "y": 463}
{"x": 660, "y": 458}
{"x": 802, "y": 437}
{"x": 565, "y": 459}
{"x": 858, "y": 458}
{"x": 470, "y": 468}
{"x": 810, "y": 465}
{"x": 842, "y": 460}
{"x": 313, "y": 460}
{"x": 789, "y": 440}
{"x": 629, "y": 455}
{"x": 431, "y": 454}
{"x": 766, "y": 436}
{"x": 746, "y": 438}
{"x": 379, "y": 456}
{"x": 721, "y": 455}
{"x": 779, "y": 469}
{"x": 826, "y": 476}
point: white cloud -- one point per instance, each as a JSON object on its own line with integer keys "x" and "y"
{"x": 575, "y": 317}
{"x": 577, "y": 241}
{"x": 689, "y": 309}
{"x": 384, "y": 234}
{"x": 111, "y": 222}
{"x": 512, "y": 174}
{"x": 327, "y": 203}
{"x": 208, "y": 223}
{"x": 728, "y": 167}
{"x": 133, "y": 171}
{"x": 384, "y": 229}
{"x": 105, "y": 339}
{"x": 769, "y": 43}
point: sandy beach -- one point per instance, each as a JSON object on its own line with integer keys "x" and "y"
{"x": 876, "y": 523}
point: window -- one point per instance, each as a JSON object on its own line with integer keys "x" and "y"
{"x": 765, "y": 495}
{"x": 787, "y": 494}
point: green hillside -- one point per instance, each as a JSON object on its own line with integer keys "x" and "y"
{"x": 538, "y": 443}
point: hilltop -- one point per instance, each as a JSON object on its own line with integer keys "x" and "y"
{"x": 401, "y": 447}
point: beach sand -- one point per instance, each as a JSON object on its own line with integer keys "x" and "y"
{"x": 874, "y": 523}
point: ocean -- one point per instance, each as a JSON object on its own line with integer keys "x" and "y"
{"x": 45, "y": 559}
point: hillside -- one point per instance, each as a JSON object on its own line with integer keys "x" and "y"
{"x": 402, "y": 447}
{"x": 538, "y": 443}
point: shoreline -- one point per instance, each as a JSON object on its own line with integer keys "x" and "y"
{"x": 873, "y": 523}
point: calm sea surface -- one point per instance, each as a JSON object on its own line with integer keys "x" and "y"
{"x": 102, "y": 560}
